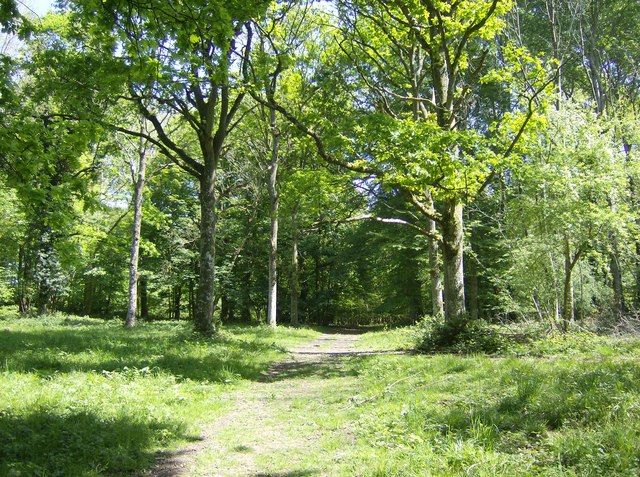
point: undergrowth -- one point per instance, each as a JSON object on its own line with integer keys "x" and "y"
{"x": 465, "y": 336}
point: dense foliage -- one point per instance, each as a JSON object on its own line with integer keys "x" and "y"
{"x": 484, "y": 149}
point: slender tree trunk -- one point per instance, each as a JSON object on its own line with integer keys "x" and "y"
{"x": 23, "y": 296}
{"x": 130, "y": 320}
{"x": 437, "y": 303}
{"x": 272, "y": 301}
{"x": 567, "y": 300}
{"x": 245, "y": 313}
{"x": 434, "y": 267}
{"x": 47, "y": 271}
{"x": 295, "y": 278}
{"x": 556, "y": 43}
{"x": 208, "y": 222}
{"x": 614, "y": 266}
{"x": 616, "y": 275}
{"x": 472, "y": 289}
{"x": 452, "y": 255}
{"x": 192, "y": 299}
{"x": 224, "y": 308}
{"x": 177, "y": 301}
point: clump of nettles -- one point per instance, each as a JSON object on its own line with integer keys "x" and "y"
{"x": 463, "y": 337}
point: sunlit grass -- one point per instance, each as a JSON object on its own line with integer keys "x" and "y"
{"x": 85, "y": 397}
{"x": 560, "y": 405}
{"x": 80, "y": 396}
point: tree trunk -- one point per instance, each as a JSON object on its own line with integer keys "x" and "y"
{"x": 245, "y": 313}
{"x": 224, "y": 308}
{"x": 192, "y": 298}
{"x": 434, "y": 272}
{"x": 567, "y": 300}
{"x": 272, "y": 306}
{"x": 177, "y": 301}
{"x": 23, "y": 296}
{"x": 472, "y": 289}
{"x": 294, "y": 282}
{"x": 47, "y": 271}
{"x": 452, "y": 257}
{"x": 616, "y": 275}
{"x": 203, "y": 319}
{"x": 130, "y": 320}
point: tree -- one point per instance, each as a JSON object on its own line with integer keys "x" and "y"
{"x": 184, "y": 59}
{"x": 49, "y": 156}
{"x": 450, "y": 156}
{"x": 138, "y": 178}
{"x": 561, "y": 212}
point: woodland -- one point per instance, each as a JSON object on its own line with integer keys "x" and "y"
{"x": 196, "y": 193}
{"x": 322, "y": 162}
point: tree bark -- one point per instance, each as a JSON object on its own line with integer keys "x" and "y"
{"x": 23, "y": 296}
{"x": 130, "y": 320}
{"x": 567, "y": 300}
{"x": 87, "y": 299}
{"x": 46, "y": 271}
{"x": 192, "y": 299}
{"x": 437, "y": 302}
{"x": 452, "y": 257}
{"x": 177, "y": 301}
{"x": 472, "y": 289}
{"x": 272, "y": 306}
{"x": 206, "y": 285}
{"x": 245, "y": 312}
{"x": 616, "y": 276}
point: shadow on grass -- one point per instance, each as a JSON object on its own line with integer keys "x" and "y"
{"x": 42, "y": 443}
{"x": 323, "y": 366}
{"x": 548, "y": 397}
{"x": 112, "y": 349}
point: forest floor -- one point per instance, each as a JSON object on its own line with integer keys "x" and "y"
{"x": 263, "y": 433}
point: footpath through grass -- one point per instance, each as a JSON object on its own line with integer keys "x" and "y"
{"x": 558, "y": 406}
{"x": 82, "y": 397}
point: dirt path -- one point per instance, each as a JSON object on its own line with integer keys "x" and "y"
{"x": 258, "y": 437}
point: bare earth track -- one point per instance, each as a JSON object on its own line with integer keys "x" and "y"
{"x": 254, "y": 438}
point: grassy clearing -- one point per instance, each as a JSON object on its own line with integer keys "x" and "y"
{"x": 80, "y": 396}
{"x": 85, "y": 397}
{"x": 558, "y": 406}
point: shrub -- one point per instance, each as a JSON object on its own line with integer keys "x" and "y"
{"x": 463, "y": 336}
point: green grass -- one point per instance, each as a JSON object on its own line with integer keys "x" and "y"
{"x": 83, "y": 397}
{"x": 80, "y": 396}
{"x": 558, "y": 406}
{"x": 396, "y": 338}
